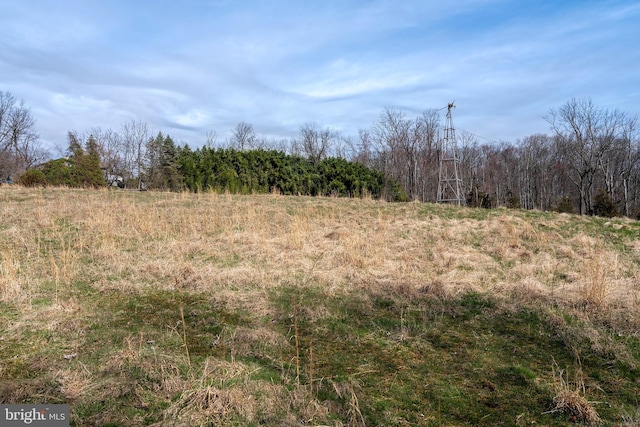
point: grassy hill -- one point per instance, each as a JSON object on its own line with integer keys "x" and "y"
{"x": 204, "y": 309}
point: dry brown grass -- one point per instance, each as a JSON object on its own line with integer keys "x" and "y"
{"x": 594, "y": 289}
{"x": 220, "y": 243}
{"x": 239, "y": 248}
{"x": 10, "y": 286}
{"x": 255, "y": 241}
{"x": 226, "y": 391}
{"x": 571, "y": 398}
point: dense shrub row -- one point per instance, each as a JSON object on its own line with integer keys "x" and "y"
{"x": 171, "y": 168}
{"x": 263, "y": 171}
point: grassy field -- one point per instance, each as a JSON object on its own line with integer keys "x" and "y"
{"x": 202, "y": 309}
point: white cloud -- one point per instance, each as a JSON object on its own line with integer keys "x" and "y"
{"x": 193, "y": 66}
{"x": 78, "y": 104}
{"x": 192, "y": 118}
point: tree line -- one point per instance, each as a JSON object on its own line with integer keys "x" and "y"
{"x": 258, "y": 170}
{"x": 162, "y": 165}
{"x": 589, "y": 162}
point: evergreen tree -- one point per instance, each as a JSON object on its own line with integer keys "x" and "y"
{"x": 89, "y": 165}
{"x": 75, "y": 146}
{"x": 171, "y": 176}
{"x": 161, "y": 168}
{"x": 80, "y": 169}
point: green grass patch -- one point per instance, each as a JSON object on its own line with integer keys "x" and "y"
{"x": 476, "y": 364}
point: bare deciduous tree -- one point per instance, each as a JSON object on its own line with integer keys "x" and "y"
{"x": 20, "y": 147}
{"x": 212, "y": 139}
{"x": 7, "y": 103}
{"x": 134, "y": 138}
{"x": 429, "y": 125}
{"x": 585, "y": 134}
{"x": 344, "y": 148}
{"x": 629, "y": 148}
{"x": 406, "y": 149}
{"x": 364, "y": 149}
{"x": 243, "y": 137}
{"x": 315, "y": 143}
{"x": 536, "y": 172}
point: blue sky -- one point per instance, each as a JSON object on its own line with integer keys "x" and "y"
{"x": 191, "y": 66}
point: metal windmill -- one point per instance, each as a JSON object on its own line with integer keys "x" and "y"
{"x": 449, "y": 182}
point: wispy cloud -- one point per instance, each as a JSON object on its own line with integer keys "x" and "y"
{"x": 192, "y": 66}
